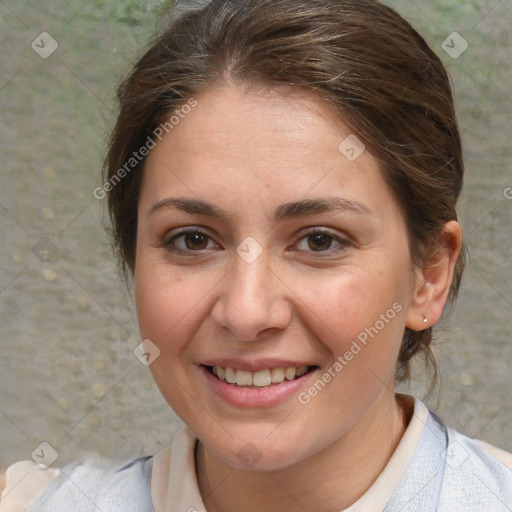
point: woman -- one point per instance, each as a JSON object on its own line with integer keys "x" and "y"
{"x": 282, "y": 182}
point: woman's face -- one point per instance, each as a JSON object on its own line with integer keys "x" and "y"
{"x": 297, "y": 256}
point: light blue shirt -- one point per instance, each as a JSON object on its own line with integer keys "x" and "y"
{"x": 448, "y": 472}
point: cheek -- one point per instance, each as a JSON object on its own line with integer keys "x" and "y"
{"x": 362, "y": 307}
{"x": 169, "y": 301}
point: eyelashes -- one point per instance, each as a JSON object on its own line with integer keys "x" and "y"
{"x": 317, "y": 241}
{"x": 320, "y": 237}
{"x": 191, "y": 235}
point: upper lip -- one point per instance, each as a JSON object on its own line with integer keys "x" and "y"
{"x": 256, "y": 365}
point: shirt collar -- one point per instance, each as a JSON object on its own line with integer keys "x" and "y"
{"x": 174, "y": 484}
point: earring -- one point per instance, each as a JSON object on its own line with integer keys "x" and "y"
{"x": 425, "y": 319}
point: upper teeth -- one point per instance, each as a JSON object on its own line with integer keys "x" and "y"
{"x": 262, "y": 378}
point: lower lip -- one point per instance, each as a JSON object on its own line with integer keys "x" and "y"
{"x": 253, "y": 397}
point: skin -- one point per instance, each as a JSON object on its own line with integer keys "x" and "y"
{"x": 247, "y": 152}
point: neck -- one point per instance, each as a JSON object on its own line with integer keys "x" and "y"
{"x": 352, "y": 464}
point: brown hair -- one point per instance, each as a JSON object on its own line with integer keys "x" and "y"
{"x": 362, "y": 57}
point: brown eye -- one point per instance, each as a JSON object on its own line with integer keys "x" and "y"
{"x": 195, "y": 241}
{"x": 322, "y": 242}
{"x": 189, "y": 241}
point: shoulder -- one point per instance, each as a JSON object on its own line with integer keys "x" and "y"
{"x": 22, "y": 483}
{"x": 451, "y": 472}
{"x": 497, "y": 453}
{"x": 476, "y": 473}
{"x": 84, "y": 487}
{"x": 462, "y": 448}
{"x": 91, "y": 486}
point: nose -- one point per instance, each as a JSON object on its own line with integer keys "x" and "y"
{"x": 253, "y": 300}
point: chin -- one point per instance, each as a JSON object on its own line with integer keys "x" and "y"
{"x": 259, "y": 453}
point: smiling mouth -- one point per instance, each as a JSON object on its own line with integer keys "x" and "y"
{"x": 261, "y": 379}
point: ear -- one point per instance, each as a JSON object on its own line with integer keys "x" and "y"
{"x": 434, "y": 280}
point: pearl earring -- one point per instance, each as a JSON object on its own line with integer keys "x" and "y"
{"x": 425, "y": 319}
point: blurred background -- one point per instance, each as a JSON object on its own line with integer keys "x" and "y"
{"x": 68, "y": 375}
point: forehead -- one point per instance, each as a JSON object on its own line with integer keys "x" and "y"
{"x": 234, "y": 119}
{"x": 280, "y": 143}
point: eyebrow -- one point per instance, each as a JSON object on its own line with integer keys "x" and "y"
{"x": 284, "y": 211}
